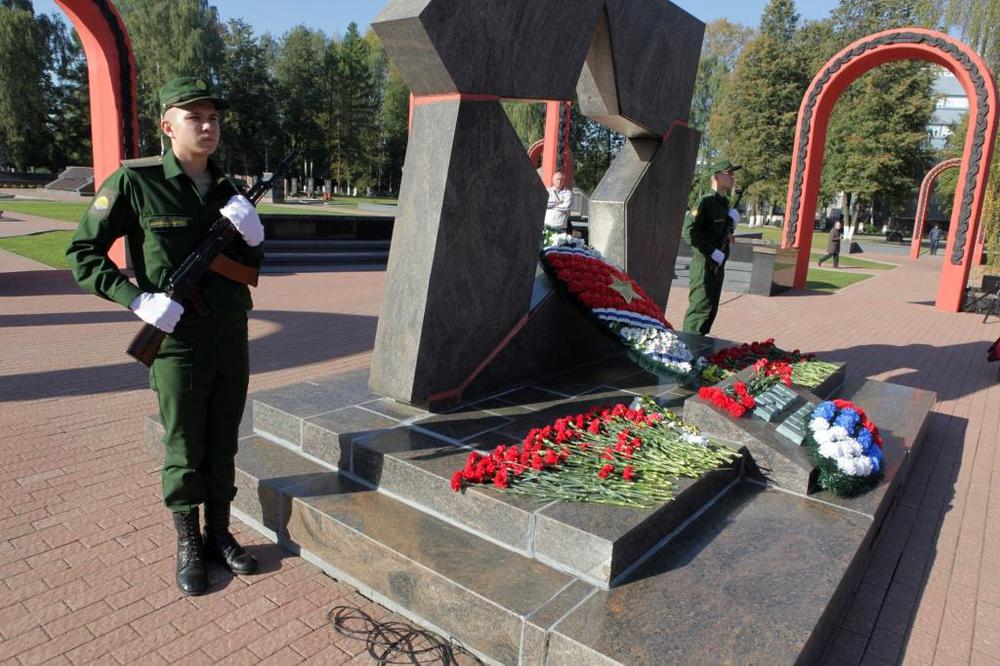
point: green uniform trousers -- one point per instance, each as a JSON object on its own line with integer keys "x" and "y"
{"x": 200, "y": 377}
{"x": 704, "y": 295}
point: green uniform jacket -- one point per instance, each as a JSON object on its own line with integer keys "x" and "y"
{"x": 157, "y": 207}
{"x": 706, "y": 230}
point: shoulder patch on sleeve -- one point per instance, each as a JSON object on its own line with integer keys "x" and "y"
{"x": 102, "y": 203}
{"x": 143, "y": 162}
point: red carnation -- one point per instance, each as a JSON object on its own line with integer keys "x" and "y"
{"x": 606, "y": 471}
{"x": 456, "y": 481}
{"x": 628, "y": 473}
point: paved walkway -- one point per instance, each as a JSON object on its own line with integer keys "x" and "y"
{"x": 86, "y": 550}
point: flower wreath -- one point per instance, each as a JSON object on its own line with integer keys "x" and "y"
{"x": 620, "y": 304}
{"x": 846, "y": 448}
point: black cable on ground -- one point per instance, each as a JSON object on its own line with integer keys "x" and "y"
{"x": 396, "y": 642}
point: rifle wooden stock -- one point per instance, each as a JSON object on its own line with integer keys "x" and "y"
{"x": 146, "y": 344}
{"x": 183, "y": 283}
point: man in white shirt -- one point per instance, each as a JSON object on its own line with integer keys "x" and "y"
{"x": 560, "y": 201}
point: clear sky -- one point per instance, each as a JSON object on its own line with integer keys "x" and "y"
{"x": 333, "y": 16}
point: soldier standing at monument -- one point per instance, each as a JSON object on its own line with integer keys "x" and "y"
{"x": 708, "y": 230}
{"x": 164, "y": 206}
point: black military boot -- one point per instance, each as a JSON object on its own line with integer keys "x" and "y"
{"x": 192, "y": 577}
{"x": 221, "y": 545}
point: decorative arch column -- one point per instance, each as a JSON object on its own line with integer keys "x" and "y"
{"x": 810, "y": 137}
{"x": 114, "y": 116}
{"x": 924, "y": 198}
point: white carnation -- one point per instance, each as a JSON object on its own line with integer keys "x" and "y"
{"x": 838, "y": 432}
{"x": 860, "y": 466}
{"x": 819, "y": 423}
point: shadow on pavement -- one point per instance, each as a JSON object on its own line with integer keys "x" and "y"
{"x": 301, "y": 339}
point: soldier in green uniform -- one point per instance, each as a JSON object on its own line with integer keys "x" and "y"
{"x": 708, "y": 230}
{"x": 164, "y": 206}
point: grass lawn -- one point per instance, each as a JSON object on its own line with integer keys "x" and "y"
{"x": 851, "y": 262}
{"x": 819, "y": 279}
{"x": 71, "y": 211}
{"x": 294, "y": 209}
{"x": 773, "y": 234}
{"x": 48, "y": 247}
{"x": 66, "y": 211}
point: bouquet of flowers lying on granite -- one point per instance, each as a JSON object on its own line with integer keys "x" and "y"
{"x": 806, "y": 370}
{"x": 846, "y": 448}
{"x": 738, "y": 397}
{"x": 624, "y": 455}
{"x": 620, "y": 304}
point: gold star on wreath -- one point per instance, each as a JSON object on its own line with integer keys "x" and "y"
{"x": 625, "y": 289}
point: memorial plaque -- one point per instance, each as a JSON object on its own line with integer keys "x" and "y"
{"x": 772, "y": 433}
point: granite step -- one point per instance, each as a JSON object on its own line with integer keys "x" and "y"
{"x": 443, "y": 577}
{"x": 411, "y": 455}
{"x": 761, "y": 575}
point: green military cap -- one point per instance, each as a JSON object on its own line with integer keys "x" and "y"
{"x": 185, "y": 90}
{"x": 723, "y": 165}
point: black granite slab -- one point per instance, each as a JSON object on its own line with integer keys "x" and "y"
{"x": 418, "y": 468}
{"x": 901, "y": 413}
{"x": 598, "y": 543}
{"x": 501, "y": 47}
{"x": 773, "y": 457}
{"x": 746, "y": 584}
{"x": 760, "y": 577}
{"x": 640, "y": 70}
{"x": 558, "y": 335}
{"x": 266, "y": 474}
{"x": 464, "y": 585}
{"x": 330, "y": 435}
{"x": 536, "y": 629}
{"x": 636, "y": 213}
{"x": 281, "y": 413}
{"x": 458, "y": 246}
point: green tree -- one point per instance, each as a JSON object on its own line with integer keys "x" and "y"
{"x": 724, "y": 41}
{"x": 355, "y": 141}
{"x": 170, "y": 38}
{"x": 394, "y": 122}
{"x": 299, "y": 72}
{"x": 977, "y": 21}
{"x": 25, "y": 86}
{"x": 251, "y": 136}
{"x": 754, "y": 120}
{"x": 71, "y": 100}
{"x": 594, "y": 148}
{"x": 877, "y": 140}
{"x": 528, "y": 121}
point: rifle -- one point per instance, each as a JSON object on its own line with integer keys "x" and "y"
{"x": 183, "y": 282}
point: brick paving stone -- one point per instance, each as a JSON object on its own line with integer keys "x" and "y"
{"x": 276, "y": 639}
{"x": 57, "y": 647}
{"x": 240, "y": 615}
{"x": 284, "y": 657}
{"x": 100, "y": 648}
{"x": 330, "y": 655}
{"x": 73, "y": 448}
{"x": 145, "y": 644}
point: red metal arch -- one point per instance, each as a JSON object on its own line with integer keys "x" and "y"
{"x": 810, "y": 137}
{"x": 114, "y": 123}
{"x": 925, "y": 194}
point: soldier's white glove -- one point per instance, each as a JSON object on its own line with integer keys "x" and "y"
{"x": 159, "y": 310}
{"x": 244, "y": 217}
{"x": 734, "y": 215}
{"x": 718, "y": 257}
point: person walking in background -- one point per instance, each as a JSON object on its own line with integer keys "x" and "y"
{"x": 833, "y": 246}
{"x": 708, "y": 230}
{"x": 935, "y": 237}
{"x": 164, "y": 206}
{"x": 558, "y": 207}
